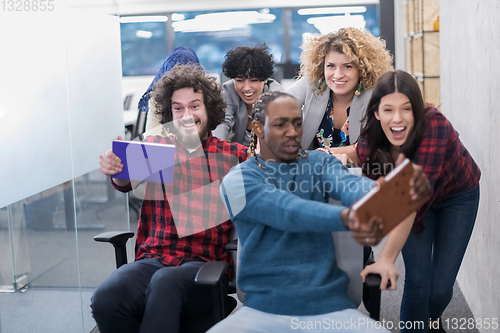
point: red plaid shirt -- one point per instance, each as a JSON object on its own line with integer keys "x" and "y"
{"x": 187, "y": 219}
{"x": 443, "y": 158}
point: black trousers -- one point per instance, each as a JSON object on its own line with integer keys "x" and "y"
{"x": 147, "y": 296}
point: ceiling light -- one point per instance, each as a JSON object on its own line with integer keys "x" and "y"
{"x": 327, "y": 24}
{"x": 331, "y": 10}
{"x": 178, "y": 17}
{"x": 222, "y": 21}
{"x": 142, "y": 19}
{"x": 143, "y": 34}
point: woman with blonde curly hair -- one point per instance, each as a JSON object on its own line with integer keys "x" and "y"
{"x": 337, "y": 73}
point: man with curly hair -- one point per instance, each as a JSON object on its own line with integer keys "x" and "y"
{"x": 249, "y": 69}
{"x": 181, "y": 225}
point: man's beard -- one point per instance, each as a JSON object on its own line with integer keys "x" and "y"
{"x": 192, "y": 140}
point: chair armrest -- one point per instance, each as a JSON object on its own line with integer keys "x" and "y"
{"x": 210, "y": 274}
{"x": 373, "y": 280}
{"x": 114, "y": 236}
{"x": 232, "y": 245}
{"x": 119, "y": 240}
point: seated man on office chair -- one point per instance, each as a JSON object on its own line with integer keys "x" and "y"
{"x": 181, "y": 225}
{"x": 278, "y": 202}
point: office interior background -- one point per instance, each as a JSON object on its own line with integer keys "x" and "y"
{"x": 70, "y": 79}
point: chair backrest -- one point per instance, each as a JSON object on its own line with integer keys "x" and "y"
{"x": 349, "y": 256}
{"x": 140, "y": 125}
{"x": 241, "y": 295}
{"x": 126, "y": 102}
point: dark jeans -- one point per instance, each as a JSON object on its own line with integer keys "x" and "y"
{"x": 433, "y": 257}
{"x": 147, "y": 296}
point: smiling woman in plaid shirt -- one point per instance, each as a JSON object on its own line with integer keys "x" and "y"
{"x": 397, "y": 121}
{"x": 182, "y": 224}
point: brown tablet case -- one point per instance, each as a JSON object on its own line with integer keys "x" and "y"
{"x": 390, "y": 200}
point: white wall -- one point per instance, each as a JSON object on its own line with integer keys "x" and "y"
{"x": 470, "y": 94}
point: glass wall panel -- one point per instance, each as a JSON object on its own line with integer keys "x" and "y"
{"x": 99, "y": 208}
{"x": 144, "y": 47}
{"x": 6, "y": 257}
{"x": 56, "y": 117}
{"x": 15, "y": 264}
{"x": 51, "y": 242}
{"x": 211, "y": 34}
{"x": 60, "y": 266}
{"x": 51, "y": 267}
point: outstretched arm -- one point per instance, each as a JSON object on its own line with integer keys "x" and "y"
{"x": 250, "y": 196}
{"x": 419, "y": 187}
{"x": 390, "y": 251}
{"x": 254, "y": 200}
{"x": 350, "y": 151}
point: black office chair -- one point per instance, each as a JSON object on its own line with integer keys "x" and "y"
{"x": 140, "y": 125}
{"x": 371, "y": 287}
{"x": 210, "y": 274}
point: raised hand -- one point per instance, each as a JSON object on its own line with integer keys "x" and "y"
{"x": 365, "y": 234}
{"x": 110, "y": 163}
